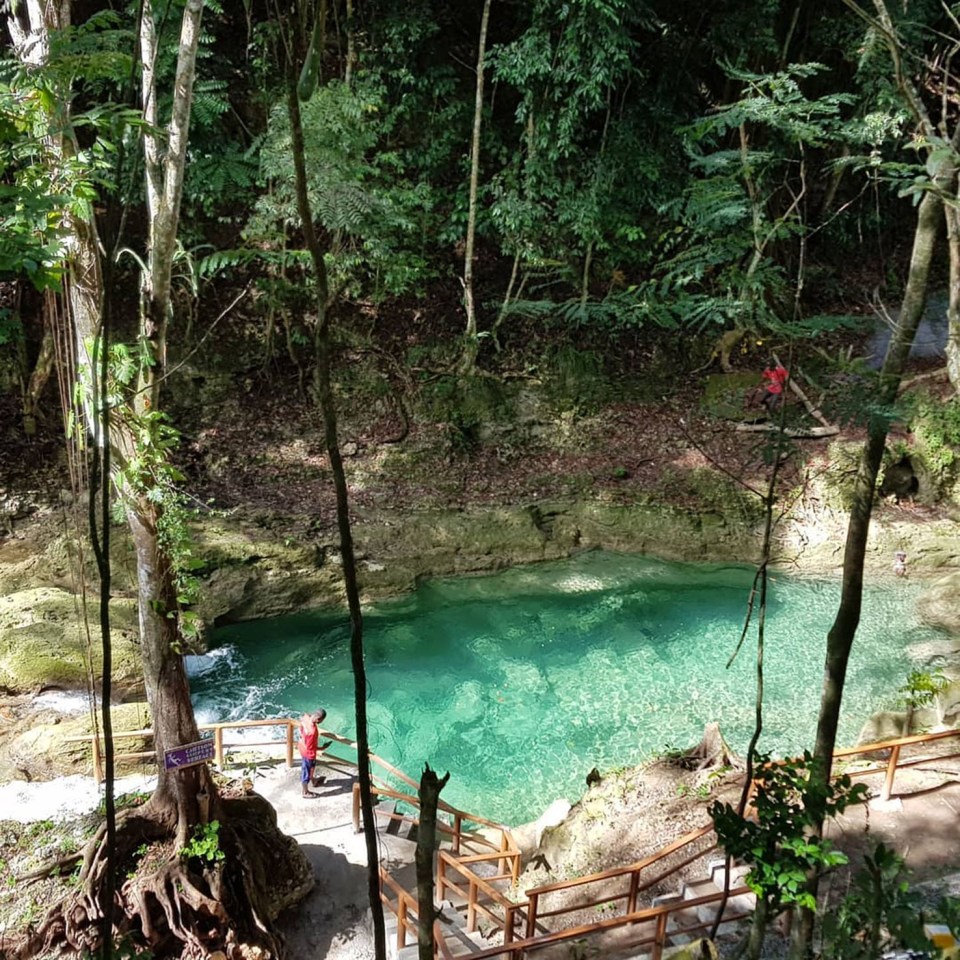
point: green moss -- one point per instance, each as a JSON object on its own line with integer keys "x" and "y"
{"x": 43, "y": 642}
{"x": 837, "y": 482}
{"x": 717, "y": 497}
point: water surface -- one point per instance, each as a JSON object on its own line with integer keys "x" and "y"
{"x": 519, "y": 683}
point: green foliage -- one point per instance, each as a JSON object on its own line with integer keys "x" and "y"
{"x": 205, "y": 844}
{"x": 561, "y": 192}
{"x": 370, "y": 214}
{"x": 51, "y": 169}
{"x": 717, "y": 264}
{"x": 922, "y": 688}
{"x": 775, "y": 839}
{"x": 878, "y": 914}
{"x": 149, "y": 475}
{"x": 576, "y": 380}
{"x": 465, "y": 405}
{"x": 135, "y": 798}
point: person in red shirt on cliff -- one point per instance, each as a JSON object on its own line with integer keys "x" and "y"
{"x": 774, "y": 380}
{"x": 309, "y": 749}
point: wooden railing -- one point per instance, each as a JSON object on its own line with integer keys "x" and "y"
{"x": 652, "y": 932}
{"x": 481, "y": 894}
{"x": 636, "y": 876}
{"x": 893, "y": 761}
{"x": 220, "y": 744}
{"x": 483, "y": 899}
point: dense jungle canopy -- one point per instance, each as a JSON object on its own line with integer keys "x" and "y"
{"x": 413, "y": 212}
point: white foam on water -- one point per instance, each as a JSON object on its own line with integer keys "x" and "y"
{"x": 63, "y": 701}
{"x": 200, "y": 664}
{"x": 63, "y": 798}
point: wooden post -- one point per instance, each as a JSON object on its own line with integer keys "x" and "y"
{"x": 660, "y": 937}
{"x": 532, "y": 915}
{"x": 471, "y": 907}
{"x": 97, "y": 765}
{"x": 509, "y": 920}
{"x": 634, "y": 889}
{"x": 356, "y": 807}
{"x": 891, "y": 772}
{"x": 290, "y": 764}
{"x": 218, "y": 745}
{"x": 441, "y": 877}
{"x": 457, "y": 823}
{"x": 401, "y": 923}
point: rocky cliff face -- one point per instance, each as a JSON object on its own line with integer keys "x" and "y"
{"x": 269, "y": 567}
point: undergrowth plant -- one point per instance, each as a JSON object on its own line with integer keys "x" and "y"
{"x": 205, "y": 844}
{"x": 879, "y": 913}
{"x": 774, "y": 834}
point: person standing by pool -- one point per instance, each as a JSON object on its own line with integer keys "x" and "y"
{"x": 309, "y": 734}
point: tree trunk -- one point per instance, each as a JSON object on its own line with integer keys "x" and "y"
{"x": 183, "y": 796}
{"x": 953, "y": 309}
{"x": 42, "y": 369}
{"x": 758, "y": 930}
{"x": 470, "y": 333}
{"x": 325, "y": 399}
{"x": 351, "y": 45}
{"x": 841, "y": 636}
{"x": 165, "y": 154}
{"x": 430, "y": 787}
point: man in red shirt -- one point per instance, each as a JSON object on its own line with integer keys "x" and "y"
{"x": 309, "y": 748}
{"x": 774, "y": 380}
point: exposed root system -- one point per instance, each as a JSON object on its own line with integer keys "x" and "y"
{"x": 177, "y": 905}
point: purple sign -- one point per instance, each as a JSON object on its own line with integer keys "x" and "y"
{"x": 189, "y": 755}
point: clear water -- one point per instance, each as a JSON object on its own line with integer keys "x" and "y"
{"x": 519, "y": 683}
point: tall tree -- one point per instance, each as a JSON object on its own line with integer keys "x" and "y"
{"x": 943, "y": 168}
{"x": 470, "y": 334}
{"x": 205, "y": 902}
{"x": 297, "y": 89}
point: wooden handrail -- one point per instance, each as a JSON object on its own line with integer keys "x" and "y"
{"x": 659, "y": 915}
{"x": 636, "y": 867}
{"x": 475, "y": 883}
{"x": 896, "y": 742}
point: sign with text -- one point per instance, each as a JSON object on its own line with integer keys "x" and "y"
{"x": 189, "y": 755}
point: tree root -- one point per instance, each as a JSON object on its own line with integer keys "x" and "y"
{"x": 180, "y": 906}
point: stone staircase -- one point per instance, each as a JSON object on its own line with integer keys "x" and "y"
{"x": 695, "y": 921}
{"x": 686, "y": 923}
{"x": 459, "y": 942}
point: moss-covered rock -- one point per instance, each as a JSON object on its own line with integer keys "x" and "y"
{"x": 45, "y": 553}
{"x": 43, "y": 643}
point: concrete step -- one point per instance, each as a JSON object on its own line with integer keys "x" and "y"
{"x": 385, "y": 811}
{"x": 717, "y": 870}
{"x": 458, "y": 941}
{"x": 736, "y": 906}
{"x": 680, "y": 917}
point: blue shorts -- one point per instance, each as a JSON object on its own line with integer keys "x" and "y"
{"x": 306, "y": 770}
